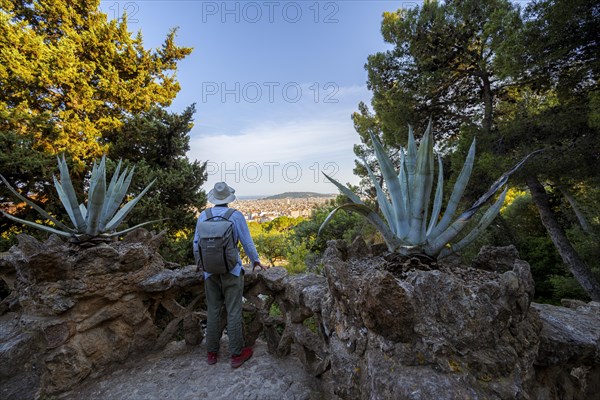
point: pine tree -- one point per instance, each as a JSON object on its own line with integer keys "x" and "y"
{"x": 157, "y": 141}
{"x": 68, "y": 79}
{"x": 520, "y": 81}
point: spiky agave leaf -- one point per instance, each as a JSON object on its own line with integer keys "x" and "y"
{"x": 71, "y": 197}
{"x": 457, "y": 192}
{"x": 435, "y": 244}
{"x": 114, "y": 184}
{"x": 420, "y": 191}
{"x": 116, "y": 197}
{"x": 402, "y": 177}
{"x": 115, "y": 177}
{"x": 93, "y": 179}
{"x": 36, "y": 225}
{"x": 83, "y": 210}
{"x": 88, "y": 219}
{"x": 439, "y": 195}
{"x": 135, "y": 227}
{"x": 393, "y": 185}
{"x": 384, "y": 203}
{"x": 392, "y": 241}
{"x": 65, "y": 201}
{"x": 35, "y": 207}
{"x": 96, "y": 198}
{"x": 122, "y": 213}
{"x": 483, "y": 223}
{"x": 346, "y": 191}
{"x": 411, "y": 157}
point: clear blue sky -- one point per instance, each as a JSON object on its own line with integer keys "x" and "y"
{"x": 274, "y": 82}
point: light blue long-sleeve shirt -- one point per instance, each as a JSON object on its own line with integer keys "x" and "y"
{"x": 241, "y": 234}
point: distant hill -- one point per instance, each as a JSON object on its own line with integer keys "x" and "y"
{"x": 297, "y": 195}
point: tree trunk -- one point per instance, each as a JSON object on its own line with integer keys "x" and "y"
{"x": 488, "y": 103}
{"x": 580, "y": 217}
{"x": 507, "y": 229}
{"x": 569, "y": 255}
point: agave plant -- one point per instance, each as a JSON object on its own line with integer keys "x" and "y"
{"x": 409, "y": 226}
{"x": 101, "y": 216}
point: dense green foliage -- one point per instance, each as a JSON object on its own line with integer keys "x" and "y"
{"x": 157, "y": 142}
{"x": 344, "y": 225}
{"x": 69, "y": 75}
{"x": 276, "y": 243}
{"x": 442, "y": 65}
{"x": 518, "y": 80}
{"x": 294, "y": 243}
{"x": 75, "y": 83}
{"x": 69, "y": 78}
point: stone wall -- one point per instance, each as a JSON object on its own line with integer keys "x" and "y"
{"x": 75, "y": 311}
{"x": 371, "y": 326}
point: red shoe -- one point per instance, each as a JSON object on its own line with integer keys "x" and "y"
{"x": 237, "y": 361}
{"x": 212, "y": 358}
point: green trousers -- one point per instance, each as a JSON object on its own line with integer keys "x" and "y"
{"x": 224, "y": 289}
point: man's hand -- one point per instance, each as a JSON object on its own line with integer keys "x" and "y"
{"x": 258, "y": 264}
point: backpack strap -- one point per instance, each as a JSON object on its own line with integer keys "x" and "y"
{"x": 227, "y": 216}
{"x": 228, "y": 213}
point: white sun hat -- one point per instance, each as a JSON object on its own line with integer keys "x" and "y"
{"x": 221, "y": 194}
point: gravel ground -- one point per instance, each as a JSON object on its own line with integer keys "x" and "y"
{"x": 181, "y": 372}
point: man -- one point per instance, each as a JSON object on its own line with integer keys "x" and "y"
{"x": 226, "y": 288}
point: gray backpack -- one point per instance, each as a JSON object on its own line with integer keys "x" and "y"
{"x": 216, "y": 243}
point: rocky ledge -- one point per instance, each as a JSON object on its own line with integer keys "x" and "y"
{"x": 372, "y": 326}
{"x": 75, "y": 311}
{"x": 409, "y": 328}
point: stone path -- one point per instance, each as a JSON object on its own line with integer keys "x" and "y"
{"x": 180, "y": 372}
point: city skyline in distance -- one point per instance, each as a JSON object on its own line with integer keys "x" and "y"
{"x": 268, "y": 178}
{"x": 285, "y": 195}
